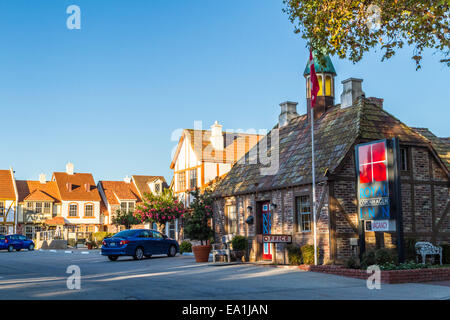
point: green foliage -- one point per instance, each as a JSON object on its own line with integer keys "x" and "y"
{"x": 125, "y": 218}
{"x": 239, "y": 243}
{"x": 352, "y": 263}
{"x": 403, "y": 266}
{"x": 99, "y": 236}
{"x": 445, "y": 252}
{"x": 368, "y": 258}
{"x": 185, "y": 246}
{"x": 160, "y": 208}
{"x": 307, "y": 252}
{"x": 196, "y": 224}
{"x": 379, "y": 257}
{"x": 72, "y": 243}
{"x": 351, "y": 28}
{"x": 294, "y": 254}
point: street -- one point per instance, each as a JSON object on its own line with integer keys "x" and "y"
{"x": 42, "y": 275}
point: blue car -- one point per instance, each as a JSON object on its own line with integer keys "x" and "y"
{"x": 15, "y": 241}
{"x": 138, "y": 243}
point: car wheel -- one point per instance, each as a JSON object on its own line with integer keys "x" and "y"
{"x": 172, "y": 251}
{"x": 10, "y": 248}
{"x": 31, "y": 247}
{"x": 138, "y": 254}
{"x": 18, "y": 249}
{"x": 113, "y": 258}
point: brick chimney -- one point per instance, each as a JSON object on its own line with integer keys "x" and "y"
{"x": 127, "y": 179}
{"x": 351, "y": 92}
{"x": 288, "y": 112}
{"x": 376, "y": 101}
{"x": 69, "y": 186}
{"x": 87, "y": 186}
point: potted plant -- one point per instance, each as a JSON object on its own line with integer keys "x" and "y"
{"x": 197, "y": 226}
{"x": 239, "y": 245}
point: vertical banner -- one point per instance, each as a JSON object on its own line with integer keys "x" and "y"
{"x": 378, "y": 187}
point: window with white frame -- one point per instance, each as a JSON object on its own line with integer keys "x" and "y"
{"x": 29, "y": 232}
{"x": 89, "y": 210}
{"x": 157, "y": 187}
{"x": 303, "y": 213}
{"x": 47, "y": 207}
{"x": 38, "y": 207}
{"x": 127, "y": 206}
{"x": 73, "y": 210}
{"x": 232, "y": 219}
{"x": 172, "y": 229}
{"x": 192, "y": 178}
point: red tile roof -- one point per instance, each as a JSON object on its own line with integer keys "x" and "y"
{"x": 36, "y": 191}
{"x": 115, "y": 191}
{"x": 142, "y": 182}
{"x": 78, "y": 181}
{"x": 57, "y": 221}
{"x": 6, "y": 185}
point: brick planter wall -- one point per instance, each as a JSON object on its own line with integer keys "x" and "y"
{"x": 387, "y": 276}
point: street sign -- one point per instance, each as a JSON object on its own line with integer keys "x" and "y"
{"x": 277, "y": 238}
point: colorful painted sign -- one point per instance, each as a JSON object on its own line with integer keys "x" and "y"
{"x": 373, "y": 181}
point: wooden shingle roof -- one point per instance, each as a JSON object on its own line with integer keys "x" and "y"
{"x": 441, "y": 145}
{"x": 335, "y": 135}
{"x": 36, "y": 191}
{"x": 6, "y": 185}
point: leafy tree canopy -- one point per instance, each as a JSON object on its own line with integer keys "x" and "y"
{"x": 349, "y": 28}
{"x": 197, "y": 222}
{"x": 124, "y": 218}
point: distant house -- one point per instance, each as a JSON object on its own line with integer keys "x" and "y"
{"x": 126, "y": 195}
{"x": 8, "y": 202}
{"x": 204, "y": 155}
{"x": 38, "y": 202}
{"x": 80, "y": 200}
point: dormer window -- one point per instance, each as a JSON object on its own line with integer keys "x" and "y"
{"x": 157, "y": 187}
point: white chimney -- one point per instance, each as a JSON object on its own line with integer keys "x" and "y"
{"x": 351, "y": 92}
{"x": 69, "y": 168}
{"x": 288, "y": 112}
{"x": 127, "y": 179}
{"x": 42, "y": 178}
{"x": 216, "y": 136}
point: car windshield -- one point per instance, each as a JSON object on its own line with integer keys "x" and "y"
{"x": 125, "y": 234}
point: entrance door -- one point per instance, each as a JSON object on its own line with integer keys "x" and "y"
{"x": 266, "y": 229}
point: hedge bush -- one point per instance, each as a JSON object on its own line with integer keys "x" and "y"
{"x": 352, "y": 263}
{"x": 99, "y": 236}
{"x": 294, "y": 254}
{"x": 239, "y": 243}
{"x": 410, "y": 250}
{"x": 185, "y": 246}
{"x": 308, "y": 254}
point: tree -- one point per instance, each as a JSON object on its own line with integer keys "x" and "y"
{"x": 349, "y": 28}
{"x": 196, "y": 224}
{"x": 124, "y": 218}
{"x": 160, "y": 208}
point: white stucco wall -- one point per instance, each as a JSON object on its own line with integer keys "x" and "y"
{"x": 81, "y": 219}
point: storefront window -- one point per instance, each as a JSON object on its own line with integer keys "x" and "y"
{"x": 303, "y": 213}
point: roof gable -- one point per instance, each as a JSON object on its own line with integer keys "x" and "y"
{"x": 141, "y": 183}
{"x": 116, "y": 191}
{"x": 78, "y": 181}
{"x": 7, "y": 185}
{"x": 27, "y": 190}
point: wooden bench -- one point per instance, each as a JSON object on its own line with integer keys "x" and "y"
{"x": 223, "y": 248}
{"x": 425, "y": 249}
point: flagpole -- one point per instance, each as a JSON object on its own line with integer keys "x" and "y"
{"x": 313, "y": 185}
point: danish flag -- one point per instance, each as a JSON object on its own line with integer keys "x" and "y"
{"x": 314, "y": 81}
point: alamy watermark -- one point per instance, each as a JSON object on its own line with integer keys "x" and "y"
{"x": 74, "y": 20}
{"x": 74, "y": 280}
{"x": 374, "y": 280}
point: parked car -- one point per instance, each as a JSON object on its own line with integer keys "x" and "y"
{"x": 15, "y": 241}
{"x": 138, "y": 243}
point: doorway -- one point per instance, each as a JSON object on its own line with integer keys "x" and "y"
{"x": 265, "y": 227}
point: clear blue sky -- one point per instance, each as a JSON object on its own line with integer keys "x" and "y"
{"x": 108, "y": 97}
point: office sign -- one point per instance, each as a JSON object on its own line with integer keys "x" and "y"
{"x": 375, "y": 184}
{"x": 277, "y": 238}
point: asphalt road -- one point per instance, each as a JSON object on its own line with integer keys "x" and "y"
{"x": 42, "y": 275}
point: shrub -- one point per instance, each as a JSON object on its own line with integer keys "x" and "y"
{"x": 294, "y": 254}
{"x": 197, "y": 223}
{"x": 239, "y": 243}
{"x": 308, "y": 254}
{"x": 403, "y": 266}
{"x": 185, "y": 246}
{"x": 99, "y": 236}
{"x": 368, "y": 258}
{"x": 383, "y": 256}
{"x": 72, "y": 243}
{"x": 352, "y": 263}
{"x": 445, "y": 253}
